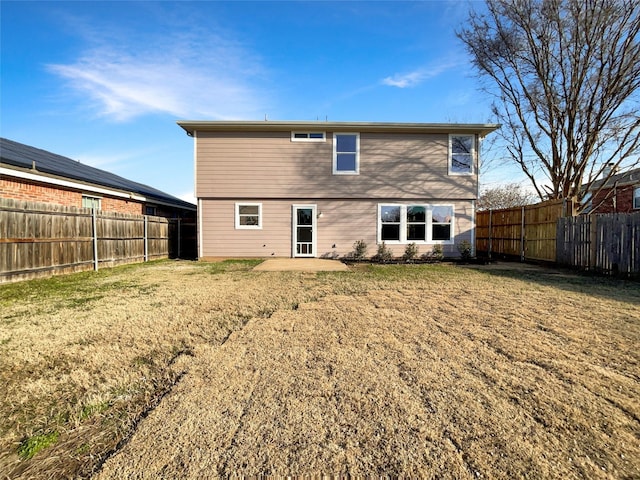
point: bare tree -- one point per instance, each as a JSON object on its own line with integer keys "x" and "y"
{"x": 505, "y": 196}
{"x": 565, "y": 76}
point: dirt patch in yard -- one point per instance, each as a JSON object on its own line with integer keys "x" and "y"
{"x": 430, "y": 371}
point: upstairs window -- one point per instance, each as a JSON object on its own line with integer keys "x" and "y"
{"x": 461, "y": 154}
{"x": 248, "y": 216}
{"x": 346, "y": 153}
{"x": 91, "y": 202}
{"x": 308, "y": 136}
{"x": 636, "y": 197}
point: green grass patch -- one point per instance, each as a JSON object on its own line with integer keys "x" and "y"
{"x": 74, "y": 290}
{"x": 93, "y": 409}
{"x": 32, "y": 445}
{"x": 232, "y": 265}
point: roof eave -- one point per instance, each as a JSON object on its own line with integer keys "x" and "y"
{"x": 190, "y": 126}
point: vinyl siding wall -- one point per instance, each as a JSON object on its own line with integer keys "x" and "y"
{"x": 269, "y": 165}
{"x": 342, "y": 223}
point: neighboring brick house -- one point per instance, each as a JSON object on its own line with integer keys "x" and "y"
{"x": 620, "y": 194}
{"x": 312, "y": 189}
{"x": 32, "y": 174}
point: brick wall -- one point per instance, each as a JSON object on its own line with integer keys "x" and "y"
{"x": 19, "y": 189}
{"x": 121, "y": 206}
{"x": 620, "y": 202}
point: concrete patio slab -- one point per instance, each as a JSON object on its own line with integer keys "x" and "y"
{"x": 300, "y": 265}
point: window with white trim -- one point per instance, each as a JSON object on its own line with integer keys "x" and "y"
{"x": 248, "y": 215}
{"x": 346, "y": 153}
{"x": 308, "y": 136}
{"x": 461, "y": 154}
{"x": 442, "y": 223}
{"x": 636, "y": 197}
{"x": 91, "y": 202}
{"x": 411, "y": 223}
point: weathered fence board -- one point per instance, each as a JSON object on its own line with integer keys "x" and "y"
{"x": 39, "y": 239}
{"x": 605, "y": 243}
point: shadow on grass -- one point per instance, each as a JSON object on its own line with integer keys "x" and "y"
{"x": 622, "y": 290}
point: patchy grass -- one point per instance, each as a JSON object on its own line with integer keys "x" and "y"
{"x": 32, "y": 445}
{"x": 430, "y": 371}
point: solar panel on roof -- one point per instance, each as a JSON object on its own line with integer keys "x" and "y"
{"x": 25, "y": 156}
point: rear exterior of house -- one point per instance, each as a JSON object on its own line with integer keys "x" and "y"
{"x": 312, "y": 189}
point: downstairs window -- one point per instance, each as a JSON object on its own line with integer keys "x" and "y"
{"x": 248, "y": 215}
{"x": 415, "y": 223}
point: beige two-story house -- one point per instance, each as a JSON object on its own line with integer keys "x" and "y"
{"x": 312, "y": 189}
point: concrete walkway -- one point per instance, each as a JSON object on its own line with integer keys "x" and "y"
{"x": 300, "y": 265}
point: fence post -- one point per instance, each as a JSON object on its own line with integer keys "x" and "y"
{"x": 179, "y": 236}
{"x": 490, "y": 233}
{"x": 146, "y": 239}
{"x": 522, "y": 239}
{"x": 94, "y": 227}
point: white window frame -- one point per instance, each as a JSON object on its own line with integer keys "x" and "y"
{"x": 307, "y": 137}
{"x": 237, "y": 216}
{"x": 636, "y": 197}
{"x": 428, "y": 224}
{"x": 335, "y": 154}
{"x": 92, "y": 197}
{"x": 472, "y": 153}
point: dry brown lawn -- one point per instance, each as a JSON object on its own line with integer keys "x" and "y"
{"x": 191, "y": 370}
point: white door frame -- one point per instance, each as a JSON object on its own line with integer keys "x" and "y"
{"x": 306, "y": 249}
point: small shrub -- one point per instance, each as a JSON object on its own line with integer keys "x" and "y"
{"x": 383, "y": 254}
{"x": 360, "y": 249}
{"x": 410, "y": 252}
{"x": 465, "y": 250}
{"x": 437, "y": 253}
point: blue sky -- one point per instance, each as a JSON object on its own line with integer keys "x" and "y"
{"x": 105, "y": 82}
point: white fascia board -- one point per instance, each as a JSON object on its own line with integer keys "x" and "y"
{"x": 69, "y": 184}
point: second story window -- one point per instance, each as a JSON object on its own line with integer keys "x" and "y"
{"x": 308, "y": 136}
{"x": 636, "y": 197}
{"x": 346, "y": 154}
{"x": 461, "y": 154}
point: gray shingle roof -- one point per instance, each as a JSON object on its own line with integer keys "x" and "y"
{"x": 25, "y": 156}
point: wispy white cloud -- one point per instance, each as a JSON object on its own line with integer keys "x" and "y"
{"x": 187, "y": 75}
{"x": 418, "y": 76}
{"x": 116, "y": 160}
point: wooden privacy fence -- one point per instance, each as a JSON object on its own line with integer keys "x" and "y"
{"x": 38, "y": 239}
{"x": 528, "y": 233}
{"x": 604, "y": 243}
